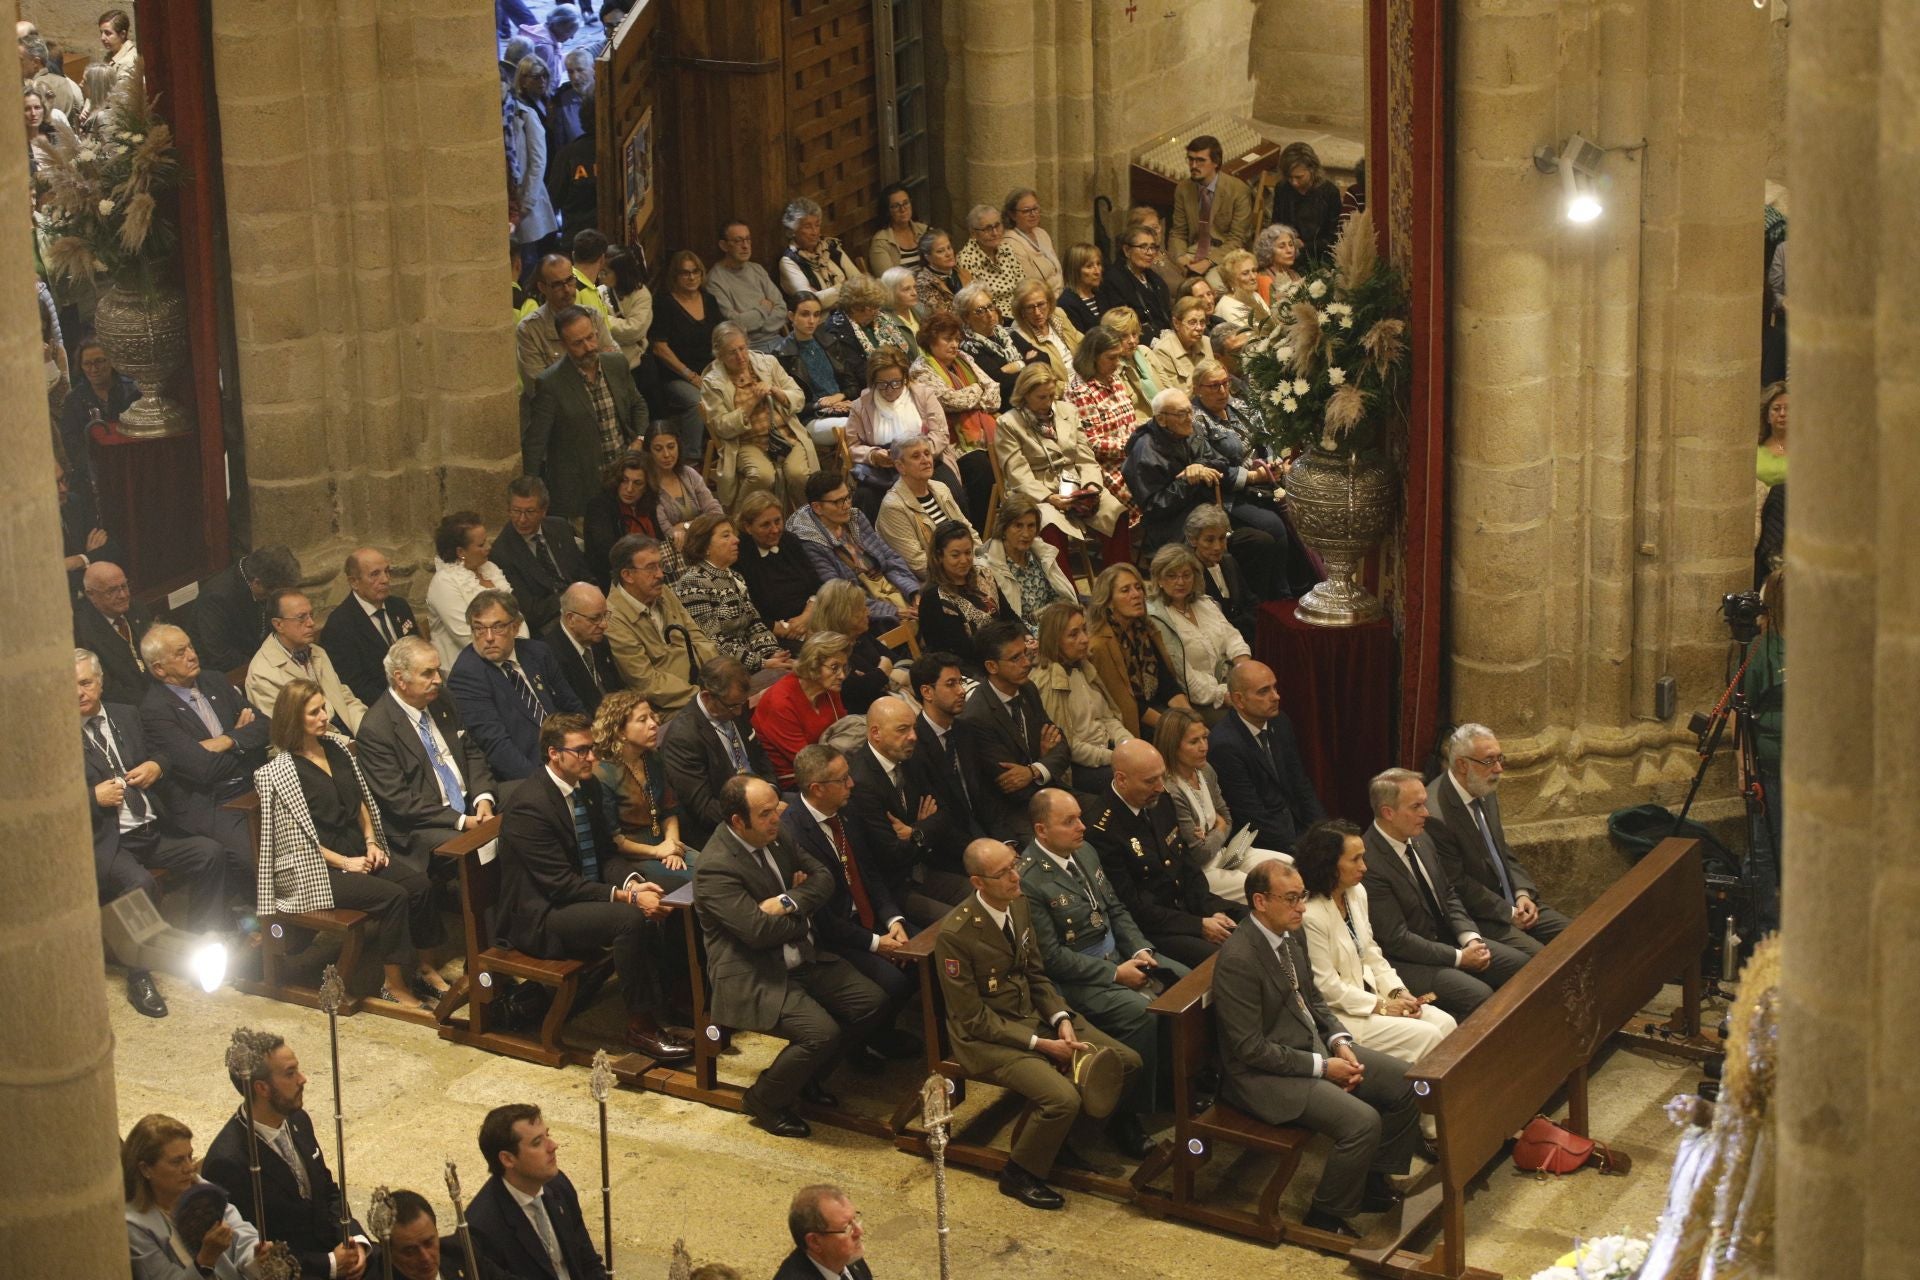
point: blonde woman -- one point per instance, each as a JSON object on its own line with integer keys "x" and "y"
{"x": 1241, "y": 305}
{"x": 1202, "y": 645}
{"x": 1045, "y": 459}
{"x": 1135, "y": 370}
{"x": 804, "y": 703}
{"x": 1199, "y": 809}
{"x": 752, "y": 407}
{"x": 1075, "y": 697}
{"x": 641, "y": 809}
{"x": 1039, "y": 329}
{"x": 1184, "y": 346}
{"x": 841, "y": 607}
{"x": 1126, "y": 650}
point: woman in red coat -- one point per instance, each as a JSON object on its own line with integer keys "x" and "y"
{"x": 797, "y": 709}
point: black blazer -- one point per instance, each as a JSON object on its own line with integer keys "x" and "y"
{"x": 838, "y": 923}
{"x": 540, "y": 866}
{"x": 574, "y": 669}
{"x": 1463, "y": 852}
{"x": 936, "y": 842}
{"x": 534, "y": 586}
{"x": 508, "y": 1245}
{"x": 798, "y": 1266}
{"x": 994, "y": 745}
{"x": 1238, "y": 601}
{"x": 132, "y": 746}
{"x": 1271, "y": 792}
{"x": 126, "y": 678}
{"x": 957, "y": 821}
{"x": 1147, "y": 864}
{"x": 1149, "y": 298}
{"x": 357, "y": 648}
{"x": 698, "y": 764}
{"x": 309, "y": 1226}
{"x": 1403, "y": 924}
{"x": 196, "y": 781}
{"x": 228, "y": 623}
{"x": 401, "y": 776}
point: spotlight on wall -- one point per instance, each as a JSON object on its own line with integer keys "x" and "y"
{"x": 1578, "y": 164}
{"x": 139, "y": 939}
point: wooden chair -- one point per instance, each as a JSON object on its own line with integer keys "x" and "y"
{"x": 846, "y": 454}
{"x": 907, "y": 633}
{"x": 999, "y": 487}
{"x": 278, "y": 980}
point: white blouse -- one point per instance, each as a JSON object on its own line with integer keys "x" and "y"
{"x": 1204, "y": 647}
{"x": 453, "y": 587}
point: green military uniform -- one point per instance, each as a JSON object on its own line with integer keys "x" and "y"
{"x": 998, "y": 999}
{"x": 1084, "y": 932}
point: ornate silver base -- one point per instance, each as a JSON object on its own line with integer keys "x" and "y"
{"x": 1341, "y": 506}
{"x": 1339, "y": 601}
{"x": 153, "y": 417}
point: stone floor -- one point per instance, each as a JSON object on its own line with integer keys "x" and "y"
{"x": 684, "y": 1170}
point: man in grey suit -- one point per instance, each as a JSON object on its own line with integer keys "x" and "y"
{"x": 1287, "y": 1059}
{"x": 1464, "y": 823}
{"x": 1416, "y": 915}
{"x": 428, "y": 775}
{"x": 755, "y": 893}
{"x": 585, "y": 413}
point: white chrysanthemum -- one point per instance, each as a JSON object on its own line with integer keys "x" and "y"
{"x": 85, "y": 155}
{"x": 1283, "y": 353}
{"x": 1289, "y": 404}
{"x": 1277, "y": 395}
{"x": 1337, "y": 376}
{"x": 136, "y": 137}
{"x": 1346, "y": 322}
{"x": 106, "y": 208}
{"x": 1316, "y": 289}
{"x": 1299, "y": 386}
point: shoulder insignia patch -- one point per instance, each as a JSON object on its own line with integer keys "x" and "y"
{"x": 953, "y": 968}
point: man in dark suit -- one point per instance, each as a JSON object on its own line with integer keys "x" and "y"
{"x": 897, "y": 812}
{"x": 364, "y": 626}
{"x": 556, "y": 854}
{"x": 428, "y": 776}
{"x": 231, "y": 616}
{"x": 107, "y": 623}
{"x": 302, "y": 1202}
{"x": 578, "y": 639}
{"x": 83, "y": 535}
{"x": 711, "y": 742}
{"x": 767, "y": 966}
{"x": 526, "y": 1220}
{"x": 1133, "y": 828}
{"x": 585, "y": 413}
{"x": 828, "y": 1237}
{"x": 1463, "y": 821}
{"x": 504, "y": 689}
{"x": 537, "y": 552}
{"x": 1261, "y": 776}
{"x": 208, "y": 743}
{"x": 1016, "y": 749}
{"x": 1286, "y": 1059}
{"x": 418, "y": 1249}
{"x": 1417, "y": 918}
{"x": 860, "y": 924}
{"x": 130, "y": 832}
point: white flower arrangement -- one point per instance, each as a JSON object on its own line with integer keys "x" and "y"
{"x": 1336, "y": 376}
{"x": 1606, "y": 1258}
{"x": 1316, "y": 289}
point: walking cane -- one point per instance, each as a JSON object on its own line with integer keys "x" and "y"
{"x": 333, "y": 994}
{"x": 601, "y": 1083}
{"x": 460, "y": 1222}
{"x": 380, "y": 1226}
{"x": 937, "y": 1115}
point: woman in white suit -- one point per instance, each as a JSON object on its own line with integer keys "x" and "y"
{"x": 1354, "y": 978}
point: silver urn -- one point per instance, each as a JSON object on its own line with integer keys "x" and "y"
{"x": 145, "y": 334}
{"x": 1342, "y": 504}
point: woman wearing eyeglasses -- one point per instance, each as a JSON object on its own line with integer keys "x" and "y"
{"x": 990, "y": 258}
{"x": 897, "y": 242}
{"x": 890, "y": 412}
{"x": 802, "y": 705}
{"x": 1030, "y": 242}
{"x": 642, "y": 810}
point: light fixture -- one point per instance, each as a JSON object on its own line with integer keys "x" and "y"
{"x": 139, "y": 939}
{"x": 1578, "y": 164}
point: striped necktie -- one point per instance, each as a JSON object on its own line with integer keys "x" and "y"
{"x": 583, "y": 835}
{"x": 528, "y": 698}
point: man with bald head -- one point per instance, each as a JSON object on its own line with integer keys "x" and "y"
{"x": 208, "y": 743}
{"x": 901, "y": 822}
{"x": 108, "y": 624}
{"x": 364, "y": 626}
{"x": 1133, "y": 826}
{"x": 578, "y": 639}
{"x": 1262, "y": 778}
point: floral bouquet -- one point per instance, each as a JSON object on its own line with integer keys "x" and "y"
{"x": 1328, "y": 372}
{"x": 97, "y": 193}
{"x": 1607, "y": 1258}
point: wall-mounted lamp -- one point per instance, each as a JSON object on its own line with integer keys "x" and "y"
{"x": 1578, "y": 164}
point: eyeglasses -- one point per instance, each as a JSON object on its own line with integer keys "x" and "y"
{"x": 595, "y": 618}
{"x": 845, "y": 779}
{"x": 995, "y": 225}
{"x": 576, "y": 751}
{"x": 855, "y": 1223}
{"x": 1491, "y": 762}
{"x": 899, "y": 204}
{"x": 1291, "y": 899}
{"x": 490, "y": 628}
{"x": 889, "y": 384}
{"x": 833, "y": 669}
{"x": 1028, "y": 208}
{"x": 843, "y": 499}
{"x": 298, "y": 617}
{"x": 1176, "y": 413}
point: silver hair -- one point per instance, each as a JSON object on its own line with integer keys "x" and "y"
{"x": 979, "y": 214}
{"x": 969, "y": 294}
{"x": 564, "y": 14}
{"x": 912, "y": 443}
{"x": 92, "y": 659}
{"x": 1385, "y": 787}
{"x": 1208, "y": 517}
{"x": 158, "y": 639}
{"x": 724, "y": 330}
{"x": 403, "y": 656}
{"x": 578, "y": 55}
{"x": 517, "y": 48}
{"x": 892, "y": 278}
{"x": 1263, "y": 244}
{"x": 1461, "y": 740}
{"x": 797, "y": 211}
{"x": 1168, "y": 397}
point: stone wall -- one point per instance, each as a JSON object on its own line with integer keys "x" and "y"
{"x": 367, "y": 228}
{"x": 1604, "y": 388}
{"x": 74, "y": 23}
{"x": 1308, "y": 60}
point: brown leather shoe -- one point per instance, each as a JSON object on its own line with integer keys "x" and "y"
{"x": 646, "y": 1035}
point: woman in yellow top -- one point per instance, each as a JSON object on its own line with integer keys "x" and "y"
{"x": 1770, "y": 459}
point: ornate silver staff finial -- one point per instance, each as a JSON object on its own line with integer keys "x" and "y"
{"x": 600, "y": 1083}
{"x": 453, "y": 1182}
{"x": 272, "y": 1262}
{"x": 380, "y": 1214}
{"x": 936, "y": 1109}
{"x": 244, "y": 1055}
{"x": 680, "y": 1263}
{"x": 333, "y": 992}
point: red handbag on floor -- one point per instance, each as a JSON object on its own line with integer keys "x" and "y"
{"x": 1545, "y": 1147}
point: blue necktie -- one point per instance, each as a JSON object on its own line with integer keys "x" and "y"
{"x": 583, "y": 834}
{"x": 1493, "y": 850}
{"x": 730, "y": 732}
{"x": 528, "y": 698}
{"x": 449, "y": 776}
{"x": 208, "y": 721}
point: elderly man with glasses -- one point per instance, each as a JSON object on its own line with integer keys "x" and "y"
{"x": 538, "y": 337}
{"x": 1463, "y": 821}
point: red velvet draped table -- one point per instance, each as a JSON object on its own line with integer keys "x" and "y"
{"x": 1336, "y": 685}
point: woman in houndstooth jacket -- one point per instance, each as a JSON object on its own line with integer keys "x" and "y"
{"x": 322, "y": 846}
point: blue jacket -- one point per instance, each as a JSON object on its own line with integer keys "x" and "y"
{"x": 1272, "y": 793}
{"x": 196, "y": 781}
{"x": 812, "y": 536}
{"x": 497, "y": 716}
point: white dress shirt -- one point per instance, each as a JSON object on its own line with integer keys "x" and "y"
{"x": 535, "y": 1207}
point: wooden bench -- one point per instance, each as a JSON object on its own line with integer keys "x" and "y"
{"x": 910, "y": 1137}
{"x": 278, "y": 979}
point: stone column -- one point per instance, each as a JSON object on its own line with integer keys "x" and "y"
{"x": 1309, "y": 64}
{"x": 367, "y": 225}
{"x": 1603, "y": 383}
{"x": 60, "y": 1213}
{"x": 1847, "y": 1100}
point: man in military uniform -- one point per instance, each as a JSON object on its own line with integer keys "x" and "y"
{"x": 1006, "y": 1022}
{"x": 1133, "y": 828}
{"x": 1095, "y": 954}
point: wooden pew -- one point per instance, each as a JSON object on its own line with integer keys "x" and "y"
{"x": 277, "y": 981}
{"x": 910, "y": 1137}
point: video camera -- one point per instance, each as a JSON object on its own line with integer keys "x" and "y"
{"x": 1743, "y": 611}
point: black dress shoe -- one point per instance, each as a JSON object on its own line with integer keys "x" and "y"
{"x": 1428, "y": 1150}
{"x": 784, "y": 1124}
{"x": 813, "y": 1092}
{"x": 1029, "y": 1190}
{"x": 1130, "y": 1135}
{"x": 143, "y": 995}
{"x": 1380, "y": 1194}
{"x": 1321, "y": 1220}
{"x": 646, "y": 1036}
